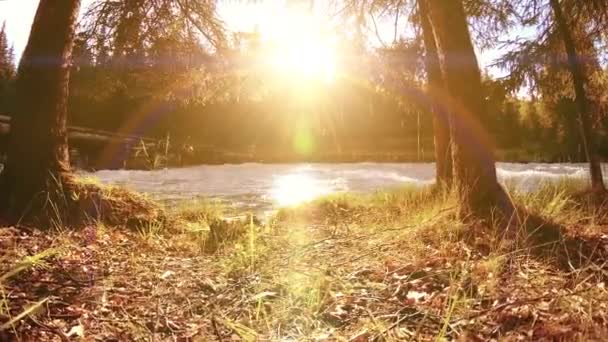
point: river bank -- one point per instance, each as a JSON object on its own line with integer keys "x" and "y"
{"x": 263, "y": 188}
{"x": 157, "y": 155}
{"x": 211, "y": 156}
{"x": 387, "y": 266}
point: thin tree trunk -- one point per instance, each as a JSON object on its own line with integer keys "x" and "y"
{"x": 576, "y": 67}
{"x": 441, "y": 125}
{"x": 37, "y": 158}
{"x": 472, "y": 152}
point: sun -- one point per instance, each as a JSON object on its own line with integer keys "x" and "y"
{"x": 306, "y": 59}
{"x": 299, "y": 46}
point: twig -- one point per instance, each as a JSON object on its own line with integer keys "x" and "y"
{"x": 23, "y": 314}
{"x": 216, "y": 330}
{"x": 355, "y": 259}
{"x": 312, "y": 244}
{"x": 394, "y": 325}
{"x": 56, "y": 331}
{"x": 522, "y": 302}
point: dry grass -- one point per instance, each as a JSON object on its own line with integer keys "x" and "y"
{"x": 384, "y": 267}
{"x": 113, "y": 205}
{"x": 80, "y": 202}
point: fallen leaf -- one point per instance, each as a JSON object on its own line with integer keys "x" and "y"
{"x": 77, "y": 330}
{"x": 167, "y": 275}
{"x": 416, "y": 296}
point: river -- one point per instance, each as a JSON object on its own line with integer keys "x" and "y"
{"x": 261, "y": 188}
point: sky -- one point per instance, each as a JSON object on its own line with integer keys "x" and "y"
{"x": 19, "y": 14}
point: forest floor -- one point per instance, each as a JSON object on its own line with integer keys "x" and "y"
{"x": 384, "y": 267}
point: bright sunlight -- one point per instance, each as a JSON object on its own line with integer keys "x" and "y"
{"x": 299, "y": 46}
{"x": 297, "y": 188}
{"x": 303, "y": 170}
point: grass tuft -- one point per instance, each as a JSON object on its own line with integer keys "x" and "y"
{"x": 388, "y": 266}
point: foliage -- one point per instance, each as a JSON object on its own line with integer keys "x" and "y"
{"x": 140, "y": 79}
{"x": 388, "y": 266}
{"x": 7, "y": 71}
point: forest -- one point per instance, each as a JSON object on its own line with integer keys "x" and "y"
{"x": 193, "y": 92}
{"x": 229, "y": 101}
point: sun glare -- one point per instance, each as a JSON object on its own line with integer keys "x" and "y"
{"x": 309, "y": 61}
{"x": 298, "y": 46}
{"x": 297, "y": 188}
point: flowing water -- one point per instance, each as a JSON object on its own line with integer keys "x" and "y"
{"x": 261, "y": 188}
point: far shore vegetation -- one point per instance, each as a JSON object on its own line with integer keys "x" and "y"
{"x": 150, "y": 84}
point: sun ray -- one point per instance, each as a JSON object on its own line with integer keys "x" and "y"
{"x": 298, "y": 46}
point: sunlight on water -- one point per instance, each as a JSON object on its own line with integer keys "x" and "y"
{"x": 297, "y": 188}
{"x": 264, "y": 187}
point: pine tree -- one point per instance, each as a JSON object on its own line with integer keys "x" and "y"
{"x": 534, "y": 128}
{"x": 435, "y": 84}
{"x": 472, "y": 155}
{"x": 3, "y": 50}
{"x": 563, "y": 50}
{"x": 11, "y": 61}
{"x": 7, "y": 71}
{"x": 580, "y": 80}
{"x": 7, "y": 68}
{"x": 37, "y": 162}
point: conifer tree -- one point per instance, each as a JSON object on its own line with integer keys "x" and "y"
{"x": 7, "y": 67}
{"x": 37, "y": 159}
{"x": 472, "y": 155}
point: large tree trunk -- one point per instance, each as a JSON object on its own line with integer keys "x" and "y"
{"x": 472, "y": 152}
{"x": 576, "y": 66}
{"x": 441, "y": 125}
{"x": 37, "y": 160}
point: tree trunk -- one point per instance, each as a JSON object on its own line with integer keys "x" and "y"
{"x": 472, "y": 152}
{"x": 576, "y": 67}
{"x": 441, "y": 125}
{"x": 37, "y": 159}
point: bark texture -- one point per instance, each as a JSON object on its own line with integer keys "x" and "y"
{"x": 579, "y": 78}
{"x": 472, "y": 151}
{"x": 37, "y": 159}
{"x": 441, "y": 124}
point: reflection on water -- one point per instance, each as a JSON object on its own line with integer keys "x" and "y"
{"x": 297, "y": 188}
{"x": 260, "y": 188}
